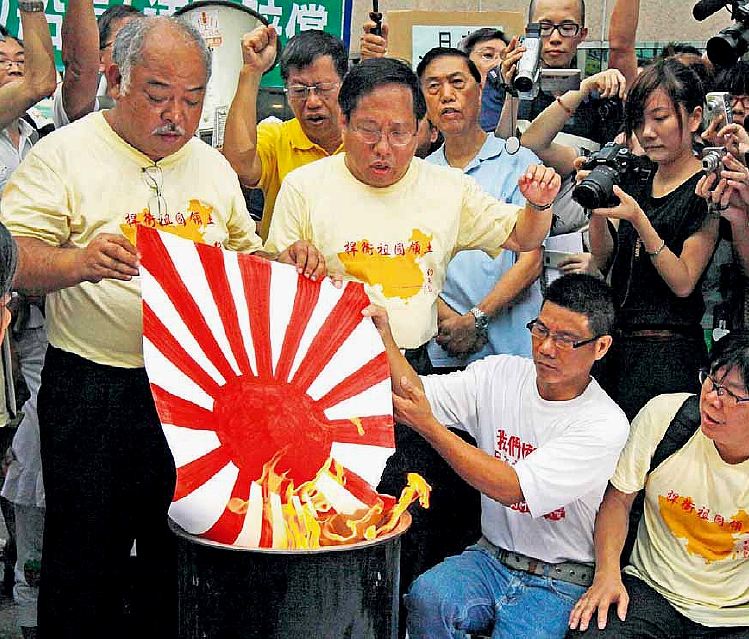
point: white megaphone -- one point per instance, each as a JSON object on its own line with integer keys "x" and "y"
{"x": 222, "y": 25}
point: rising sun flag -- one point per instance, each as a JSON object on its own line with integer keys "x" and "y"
{"x": 274, "y": 395}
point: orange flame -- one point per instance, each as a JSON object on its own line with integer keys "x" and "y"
{"x": 322, "y": 512}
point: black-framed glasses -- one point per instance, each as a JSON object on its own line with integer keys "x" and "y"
{"x": 154, "y": 179}
{"x": 566, "y": 29}
{"x": 300, "y": 92}
{"x": 720, "y": 390}
{"x": 561, "y": 341}
{"x": 373, "y": 136}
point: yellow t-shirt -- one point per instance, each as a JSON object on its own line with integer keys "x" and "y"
{"x": 282, "y": 147}
{"x": 398, "y": 240}
{"x": 693, "y": 541}
{"x": 84, "y": 180}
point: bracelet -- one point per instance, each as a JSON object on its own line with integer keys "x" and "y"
{"x": 657, "y": 251}
{"x": 31, "y": 6}
{"x": 564, "y": 106}
{"x": 537, "y": 207}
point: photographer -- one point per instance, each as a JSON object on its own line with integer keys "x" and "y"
{"x": 735, "y": 80}
{"x": 562, "y": 29}
{"x": 663, "y": 244}
{"x": 728, "y": 193}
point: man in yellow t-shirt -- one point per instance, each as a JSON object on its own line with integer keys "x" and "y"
{"x": 73, "y": 206}
{"x": 688, "y": 575}
{"x": 392, "y": 221}
{"x": 313, "y": 64}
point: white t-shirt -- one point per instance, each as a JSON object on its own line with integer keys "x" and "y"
{"x": 563, "y": 453}
{"x": 694, "y": 545}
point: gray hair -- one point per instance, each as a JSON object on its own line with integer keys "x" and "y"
{"x": 127, "y": 50}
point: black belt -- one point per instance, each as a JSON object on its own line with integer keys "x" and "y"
{"x": 569, "y": 571}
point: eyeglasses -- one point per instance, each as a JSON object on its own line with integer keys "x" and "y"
{"x": 566, "y": 29}
{"x": 154, "y": 179}
{"x": 394, "y": 138}
{"x": 106, "y": 46}
{"x": 720, "y": 390}
{"x": 434, "y": 86}
{"x": 300, "y": 92}
{"x": 9, "y": 63}
{"x": 562, "y": 342}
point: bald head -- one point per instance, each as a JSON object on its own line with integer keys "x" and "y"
{"x": 532, "y": 9}
{"x": 155, "y": 35}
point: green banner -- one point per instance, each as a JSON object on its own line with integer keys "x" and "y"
{"x": 289, "y": 17}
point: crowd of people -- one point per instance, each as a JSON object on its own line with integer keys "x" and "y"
{"x": 585, "y": 438}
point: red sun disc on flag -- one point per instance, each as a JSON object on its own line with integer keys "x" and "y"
{"x": 255, "y": 368}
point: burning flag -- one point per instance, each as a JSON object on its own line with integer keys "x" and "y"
{"x": 274, "y": 395}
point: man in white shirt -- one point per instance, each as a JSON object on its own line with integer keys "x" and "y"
{"x": 548, "y": 440}
{"x": 27, "y": 74}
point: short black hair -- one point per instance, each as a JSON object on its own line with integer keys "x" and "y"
{"x": 532, "y": 6}
{"x": 732, "y": 351}
{"x": 674, "y": 48}
{"x": 447, "y": 52}
{"x": 734, "y": 79}
{"x": 7, "y": 34}
{"x": 305, "y": 47}
{"x": 681, "y": 83}
{"x": 113, "y": 14}
{"x": 468, "y": 44}
{"x": 366, "y": 76}
{"x": 588, "y": 295}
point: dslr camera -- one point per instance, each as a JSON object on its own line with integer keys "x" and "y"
{"x": 712, "y": 159}
{"x": 613, "y": 164}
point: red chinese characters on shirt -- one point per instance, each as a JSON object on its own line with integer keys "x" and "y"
{"x": 510, "y": 449}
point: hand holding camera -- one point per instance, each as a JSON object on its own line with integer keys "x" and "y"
{"x": 510, "y": 58}
{"x": 726, "y": 188}
{"x": 609, "y": 84}
{"x": 600, "y": 174}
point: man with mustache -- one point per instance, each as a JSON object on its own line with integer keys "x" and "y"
{"x": 74, "y": 205}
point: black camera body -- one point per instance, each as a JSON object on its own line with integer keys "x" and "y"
{"x": 730, "y": 43}
{"x": 613, "y": 164}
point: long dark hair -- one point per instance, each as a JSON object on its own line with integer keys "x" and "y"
{"x": 678, "y": 81}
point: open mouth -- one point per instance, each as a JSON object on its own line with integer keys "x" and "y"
{"x": 449, "y": 112}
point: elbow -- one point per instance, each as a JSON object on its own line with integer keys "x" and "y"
{"x": 683, "y": 290}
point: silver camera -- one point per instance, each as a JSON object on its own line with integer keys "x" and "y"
{"x": 528, "y": 66}
{"x": 718, "y": 103}
{"x": 712, "y": 159}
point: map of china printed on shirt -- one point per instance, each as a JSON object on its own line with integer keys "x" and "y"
{"x": 711, "y": 535}
{"x": 191, "y": 224}
{"x": 397, "y": 269}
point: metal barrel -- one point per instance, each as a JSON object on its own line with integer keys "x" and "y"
{"x": 342, "y": 592}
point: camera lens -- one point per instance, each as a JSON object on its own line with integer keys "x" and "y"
{"x": 597, "y": 190}
{"x": 523, "y": 83}
{"x": 710, "y": 163}
{"x": 728, "y": 46}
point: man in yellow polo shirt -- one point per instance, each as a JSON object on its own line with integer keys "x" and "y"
{"x": 313, "y": 64}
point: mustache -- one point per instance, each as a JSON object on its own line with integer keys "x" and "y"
{"x": 168, "y": 129}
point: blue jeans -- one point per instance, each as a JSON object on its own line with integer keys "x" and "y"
{"x": 474, "y": 592}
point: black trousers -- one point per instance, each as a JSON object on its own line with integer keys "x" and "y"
{"x": 453, "y": 519}
{"x": 650, "y": 616}
{"x": 109, "y": 478}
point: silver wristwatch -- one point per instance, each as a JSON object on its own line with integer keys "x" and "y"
{"x": 31, "y": 6}
{"x": 481, "y": 319}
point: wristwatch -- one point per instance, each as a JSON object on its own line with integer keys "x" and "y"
{"x": 481, "y": 319}
{"x": 31, "y": 6}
